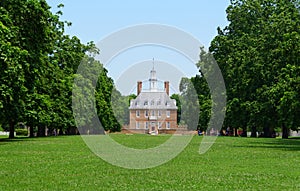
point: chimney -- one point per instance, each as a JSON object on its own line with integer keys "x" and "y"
{"x": 167, "y": 87}
{"x": 139, "y": 87}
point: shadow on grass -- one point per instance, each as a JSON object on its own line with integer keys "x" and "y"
{"x": 16, "y": 139}
{"x": 20, "y": 139}
{"x": 291, "y": 144}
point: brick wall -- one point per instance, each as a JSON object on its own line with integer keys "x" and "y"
{"x": 172, "y": 119}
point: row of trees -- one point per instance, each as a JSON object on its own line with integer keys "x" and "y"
{"x": 258, "y": 54}
{"x": 38, "y": 63}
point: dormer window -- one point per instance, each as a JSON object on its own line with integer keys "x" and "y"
{"x": 152, "y": 102}
{"x": 146, "y": 103}
{"x": 158, "y": 102}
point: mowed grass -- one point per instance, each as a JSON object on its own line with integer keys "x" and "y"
{"x": 66, "y": 163}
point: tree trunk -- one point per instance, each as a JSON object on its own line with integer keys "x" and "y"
{"x": 11, "y": 129}
{"x": 253, "y": 132}
{"x": 235, "y": 132}
{"x": 61, "y": 131}
{"x": 267, "y": 133}
{"x": 285, "y": 132}
{"x": 31, "y": 133}
{"x": 41, "y": 131}
{"x": 244, "y": 134}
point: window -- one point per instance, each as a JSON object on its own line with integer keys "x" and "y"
{"x": 159, "y": 125}
{"x": 159, "y": 113}
{"x": 146, "y": 125}
{"x": 167, "y": 103}
{"x": 137, "y": 113}
{"x": 146, "y": 103}
{"x": 146, "y": 113}
{"x": 137, "y": 125}
{"x": 152, "y": 124}
{"x": 153, "y": 113}
{"x": 158, "y": 102}
{"x": 168, "y": 125}
{"x": 168, "y": 113}
{"x": 152, "y": 102}
{"x": 136, "y": 103}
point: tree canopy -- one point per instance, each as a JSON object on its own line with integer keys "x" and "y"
{"x": 39, "y": 62}
{"x": 258, "y": 53}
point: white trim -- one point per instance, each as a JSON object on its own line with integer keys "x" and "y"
{"x": 152, "y": 113}
{"x": 168, "y": 125}
{"x": 159, "y": 124}
{"x": 168, "y": 113}
{"x": 146, "y": 125}
{"x": 146, "y": 113}
{"x": 159, "y": 113}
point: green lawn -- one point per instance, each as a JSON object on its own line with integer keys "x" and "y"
{"x": 65, "y": 163}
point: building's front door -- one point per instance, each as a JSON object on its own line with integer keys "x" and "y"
{"x": 153, "y": 128}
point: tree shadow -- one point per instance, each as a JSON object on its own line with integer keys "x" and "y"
{"x": 291, "y": 144}
{"x": 17, "y": 139}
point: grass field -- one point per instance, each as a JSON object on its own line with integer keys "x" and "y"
{"x": 65, "y": 163}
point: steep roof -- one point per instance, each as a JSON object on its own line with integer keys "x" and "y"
{"x": 153, "y": 100}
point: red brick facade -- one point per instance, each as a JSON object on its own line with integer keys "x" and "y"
{"x": 162, "y": 119}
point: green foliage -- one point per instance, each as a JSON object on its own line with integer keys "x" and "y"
{"x": 38, "y": 62}
{"x": 198, "y": 86}
{"x": 12, "y": 79}
{"x": 93, "y": 89}
{"x": 120, "y": 105}
{"x": 257, "y": 52}
{"x": 21, "y": 132}
{"x": 178, "y": 99}
{"x": 104, "y": 93}
{"x": 189, "y": 104}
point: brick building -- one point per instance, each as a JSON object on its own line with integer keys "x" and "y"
{"x": 153, "y": 110}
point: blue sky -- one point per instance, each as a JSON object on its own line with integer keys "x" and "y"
{"x": 93, "y": 20}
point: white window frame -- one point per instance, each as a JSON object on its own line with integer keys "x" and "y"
{"x": 168, "y": 113}
{"x": 159, "y": 113}
{"x": 137, "y": 125}
{"x": 152, "y": 113}
{"x": 137, "y": 113}
{"x": 168, "y": 125}
{"x": 146, "y": 125}
{"x": 146, "y": 112}
{"x": 159, "y": 124}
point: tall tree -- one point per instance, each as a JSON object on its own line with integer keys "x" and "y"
{"x": 189, "y": 104}
{"x": 260, "y": 42}
{"x": 38, "y": 90}
{"x": 12, "y": 79}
